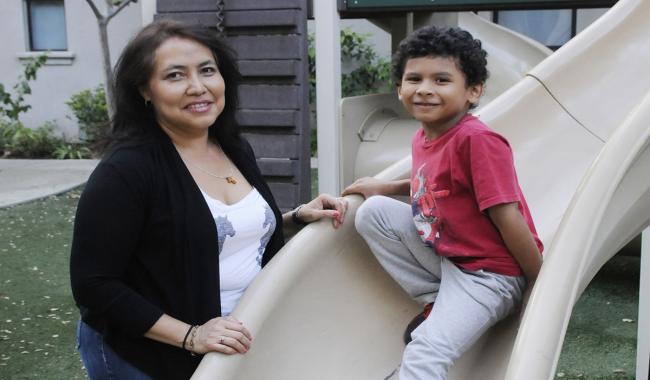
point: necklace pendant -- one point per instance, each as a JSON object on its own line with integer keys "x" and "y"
{"x": 231, "y": 180}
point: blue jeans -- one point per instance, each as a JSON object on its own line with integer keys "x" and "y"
{"x": 101, "y": 362}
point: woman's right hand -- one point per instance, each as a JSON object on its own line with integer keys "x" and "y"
{"x": 222, "y": 334}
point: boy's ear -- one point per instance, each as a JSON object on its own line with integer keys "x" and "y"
{"x": 398, "y": 86}
{"x": 475, "y": 93}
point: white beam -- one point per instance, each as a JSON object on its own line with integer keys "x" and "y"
{"x": 148, "y": 11}
{"x": 328, "y": 94}
{"x": 643, "y": 336}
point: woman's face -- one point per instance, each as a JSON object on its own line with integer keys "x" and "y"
{"x": 185, "y": 87}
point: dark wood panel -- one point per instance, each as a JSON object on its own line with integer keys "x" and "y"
{"x": 192, "y": 18}
{"x": 267, "y": 47}
{"x": 269, "y": 97}
{"x": 269, "y": 37}
{"x": 258, "y": 19}
{"x": 269, "y": 68}
{"x": 276, "y": 118}
{"x": 263, "y": 4}
{"x": 285, "y": 194}
{"x": 278, "y": 167}
{"x": 187, "y": 6}
{"x": 274, "y": 146}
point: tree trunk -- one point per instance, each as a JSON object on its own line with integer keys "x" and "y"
{"x": 108, "y": 71}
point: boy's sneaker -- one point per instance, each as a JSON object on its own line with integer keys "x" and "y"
{"x": 416, "y": 321}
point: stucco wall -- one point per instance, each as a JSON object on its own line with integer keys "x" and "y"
{"x": 56, "y": 83}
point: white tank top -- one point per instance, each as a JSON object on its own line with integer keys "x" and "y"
{"x": 244, "y": 229}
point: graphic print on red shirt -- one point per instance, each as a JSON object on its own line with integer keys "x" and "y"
{"x": 425, "y": 211}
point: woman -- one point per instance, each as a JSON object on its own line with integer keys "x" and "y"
{"x": 176, "y": 220}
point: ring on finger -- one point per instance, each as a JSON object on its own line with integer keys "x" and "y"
{"x": 221, "y": 339}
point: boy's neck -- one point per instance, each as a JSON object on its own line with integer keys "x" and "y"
{"x": 433, "y": 131}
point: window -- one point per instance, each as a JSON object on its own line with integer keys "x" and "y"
{"x": 550, "y": 27}
{"x": 553, "y": 28}
{"x": 46, "y": 22}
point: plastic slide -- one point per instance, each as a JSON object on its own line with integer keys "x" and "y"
{"x": 579, "y": 124}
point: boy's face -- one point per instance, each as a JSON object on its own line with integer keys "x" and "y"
{"x": 434, "y": 91}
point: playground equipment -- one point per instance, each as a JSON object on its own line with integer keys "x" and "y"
{"x": 376, "y": 130}
{"x": 579, "y": 126}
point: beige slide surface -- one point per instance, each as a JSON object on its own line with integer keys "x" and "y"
{"x": 579, "y": 125}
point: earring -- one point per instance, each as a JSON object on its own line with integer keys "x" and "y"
{"x": 147, "y": 103}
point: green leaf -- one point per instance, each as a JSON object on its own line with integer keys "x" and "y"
{"x": 13, "y": 106}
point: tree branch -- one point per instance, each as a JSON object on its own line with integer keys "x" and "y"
{"x": 119, "y": 8}
{"x": 96, "y": 11}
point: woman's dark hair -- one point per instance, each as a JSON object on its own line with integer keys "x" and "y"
{"x": 132, "y": 117}
{"x": 454, "y": 43}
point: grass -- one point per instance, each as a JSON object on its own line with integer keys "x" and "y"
{"x": 601, "y": 338}
{"x": 38, "y": 316}
{"x": 37, "y": 326}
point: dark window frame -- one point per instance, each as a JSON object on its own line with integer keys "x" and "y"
{"x": 30, "y": 31}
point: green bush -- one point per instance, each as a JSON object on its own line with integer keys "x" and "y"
{"x": 371, "y": 73}
{"x": 72, "y": 151}
{"x": 17, "y": 141}
{"x": 7, "y": 129}
{"x": 11, "y": 106}
{"x": 22, "y": 142}
{"x": 90, "y": 110}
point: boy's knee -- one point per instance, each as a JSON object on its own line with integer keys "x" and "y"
{"x": 368, "y": 214}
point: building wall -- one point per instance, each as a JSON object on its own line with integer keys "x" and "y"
{"x": 61, "y": 78}
{"x": 58, "y": 80}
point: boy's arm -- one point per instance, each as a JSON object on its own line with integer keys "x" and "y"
{"x": 368, "y": 186}
{"x": 517, "y": 237}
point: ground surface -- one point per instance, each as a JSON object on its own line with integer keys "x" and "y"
{"x": 38, "y": 316}
{"x": 601, "y": 339}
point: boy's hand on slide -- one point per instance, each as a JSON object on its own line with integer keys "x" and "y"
{"x": 366, "y": 186}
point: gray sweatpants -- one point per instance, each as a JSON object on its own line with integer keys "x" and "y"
{"x": 466, "y": 304}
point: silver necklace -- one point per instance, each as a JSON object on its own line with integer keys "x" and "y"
{"x": 230, "y": 178}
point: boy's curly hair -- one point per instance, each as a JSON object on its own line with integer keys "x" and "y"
{"x": 454, "y": 43}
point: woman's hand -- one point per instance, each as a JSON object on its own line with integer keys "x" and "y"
{"x": 222, "y": 334}
{"x": 324, "y": 206}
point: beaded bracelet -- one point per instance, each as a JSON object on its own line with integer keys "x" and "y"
{"x": 186, "y": 335}
{"x": 191, "y": 345}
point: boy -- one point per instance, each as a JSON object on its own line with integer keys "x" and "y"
{"x": 466, "y": 245}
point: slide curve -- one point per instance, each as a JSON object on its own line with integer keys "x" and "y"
{"x": 579, "y": 126}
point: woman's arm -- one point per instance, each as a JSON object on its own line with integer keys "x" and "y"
{"x": 517, "y": 236}
{"x": 108, "y": 226}
{"x": 222, "y": 334}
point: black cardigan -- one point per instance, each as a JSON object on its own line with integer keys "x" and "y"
{"x": 145, "y": 243}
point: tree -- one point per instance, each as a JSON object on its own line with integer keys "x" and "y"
{"x": 12, "y": 106}
{"x": 113, "y": 7}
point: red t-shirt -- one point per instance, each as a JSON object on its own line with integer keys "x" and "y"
{"x": 454, "y": 179}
